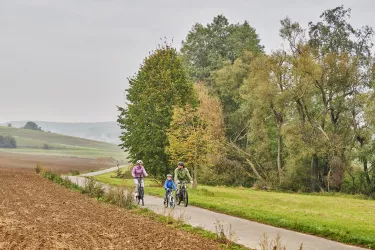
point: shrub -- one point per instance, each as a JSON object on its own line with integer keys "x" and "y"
{"x": 120, "y": 196}
{"x": 46, "y": 146}
{"x": 93, "y": 188}
{"x": 227, "y": 172}
{"x": 7, "y": 142}
{"x": 297, "y": 176}
{"x": 355, "y": 183}
{"x": 59, "y": 180}
{"x": 74, "y": 172}
{"x": 38, "y": 168}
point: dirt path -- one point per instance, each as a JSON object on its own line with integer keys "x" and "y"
{"x": 38, "y": 214}
{"x": 247, "y": 233}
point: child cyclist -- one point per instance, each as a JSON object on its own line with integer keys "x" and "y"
{"x": 168, "y": 185}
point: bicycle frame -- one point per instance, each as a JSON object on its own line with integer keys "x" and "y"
{"x": 183, "y": 194}
{"x": 140, "y": 195}
{"x": 169, "y": 200}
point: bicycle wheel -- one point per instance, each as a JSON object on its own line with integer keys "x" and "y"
{"x": 172, "y": 203}
{"x": 166, "y": 199}
{"x": 186, "y": 198}
{"x": 178, "y": 198}
{"x": 140, "y": 196}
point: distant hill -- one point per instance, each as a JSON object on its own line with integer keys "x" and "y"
{"x": 99, "y": 131}
{"x": 47, "y": 143}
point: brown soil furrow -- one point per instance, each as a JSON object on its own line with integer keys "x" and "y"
{"x": 38, "y": 214}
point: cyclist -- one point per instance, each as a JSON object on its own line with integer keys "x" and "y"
{"x": 181, "y": 174}
{"x": 168, "y": 185}
{"x": 138, "y": 172}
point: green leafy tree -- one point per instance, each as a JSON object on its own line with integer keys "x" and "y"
{"x": 227, "y": 82}
{"x": 267, "y": 93}
{"x": 160, "y": 84}
{"x": 7, "y": 142}
{"x": 32, "y": 126}
{"x": 206, "y": 48}
{"x": 336, "y": 62}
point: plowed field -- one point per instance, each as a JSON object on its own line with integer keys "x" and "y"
{"x": 59, "y": 164}
{"x": 38, "y": 214}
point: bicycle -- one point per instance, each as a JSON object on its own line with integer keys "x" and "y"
{"x": 183, "y": 195}
{"x": 141, "y": 192}
{"x": 169, "y": 200}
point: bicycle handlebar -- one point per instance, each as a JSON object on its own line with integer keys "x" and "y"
{"x": 184, "y": 182}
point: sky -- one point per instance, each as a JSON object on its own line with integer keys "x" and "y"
{"x": 69, "y": 60}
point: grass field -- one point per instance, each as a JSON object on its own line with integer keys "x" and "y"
{"x": 33, "y": 142}
{"x": 338, "y": 217}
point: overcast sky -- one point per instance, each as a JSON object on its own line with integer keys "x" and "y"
{"x": 68, "y": 60}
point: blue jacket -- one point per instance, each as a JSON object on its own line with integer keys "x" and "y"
{"x": 169, "y": 184}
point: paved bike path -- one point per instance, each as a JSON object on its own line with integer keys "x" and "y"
{"x": 108, "y": 170}
{"x": 245, "y": 232}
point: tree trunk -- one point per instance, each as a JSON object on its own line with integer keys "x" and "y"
{"x": 279, "y": 155}
{"x": 195, "y": 179}
{"x": 365, "y": 168}
{"x": 314, "y": 173}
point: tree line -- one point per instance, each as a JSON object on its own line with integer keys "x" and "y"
{"x": 300, "y": 118}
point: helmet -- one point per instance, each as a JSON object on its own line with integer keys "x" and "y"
{"x": 139, "y": 162}
{"x": 169, "y": 175}
{"x": 181, "y": 164}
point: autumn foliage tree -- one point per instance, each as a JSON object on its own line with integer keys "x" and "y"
{"x": 196, "y": 135}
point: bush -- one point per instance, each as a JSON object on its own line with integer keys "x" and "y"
{"x": 93, "y": 188}
{"x": 127, "y": 174}
{"x": 227, "y": 172}
{"x": 7, "y": 142}
{"x": 297, "y": 176}
{"x": 46, "y": 146}
{"x": 120, "y": 196}
{"x": 59, "y": 180}
{"x": 356, "y": 183}
{"x": 38, "y": 168}
{"x": 74, "y": 172}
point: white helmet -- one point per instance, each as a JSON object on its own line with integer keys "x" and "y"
{"x": 139, "y": 162}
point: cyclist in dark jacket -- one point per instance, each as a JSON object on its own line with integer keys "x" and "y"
{"x": 181, "y": 174}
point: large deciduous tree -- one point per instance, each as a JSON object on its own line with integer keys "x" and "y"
{"x": 196, "y": 135}
{"x": 334, "y": 67}
{"x": 206, "y": 48}
{"x": 160, "y": 84}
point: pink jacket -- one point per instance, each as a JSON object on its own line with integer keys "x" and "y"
{"x": 139, "y": 171}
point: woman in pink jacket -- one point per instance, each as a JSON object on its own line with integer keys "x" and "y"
{"x": 138, "y": 173}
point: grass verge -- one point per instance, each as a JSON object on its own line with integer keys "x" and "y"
{"x": 339, "y": 217}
